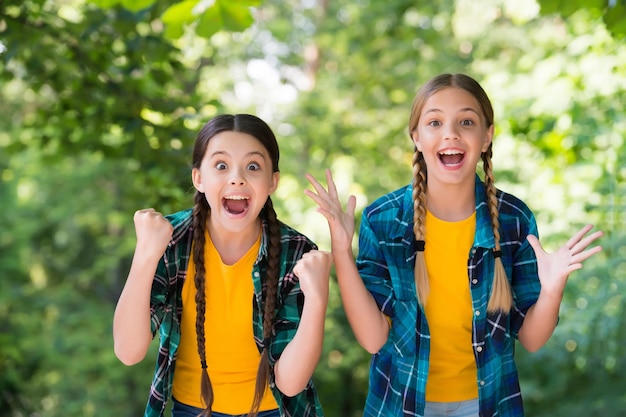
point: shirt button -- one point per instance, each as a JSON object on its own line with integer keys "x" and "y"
{"x": 256, "y": 274}
{"x": 474, "y": 281}
{"x": 482, "y": 383}
{"x": 477, "y": 313}
{"x": 474, "y": 251}
{"x": 479, "y": 349}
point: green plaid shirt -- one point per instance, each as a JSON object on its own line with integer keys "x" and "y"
{"x": 386, "y": 260}
{"x": 166, "y": 311}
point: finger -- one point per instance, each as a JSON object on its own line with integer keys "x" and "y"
{"x": 332, "y": 189}
{"x": 315, "y": 197}
{"x": 578, "y": 236}
{"x": 535, "y": 244}
{"x": 580, "y": 257}
{"x": 319, "y": 188}
{"x": 584, "y": 243}
{"x": 351, "y": 206}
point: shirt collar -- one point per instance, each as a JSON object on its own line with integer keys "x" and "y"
{"x": 484, "y": 234}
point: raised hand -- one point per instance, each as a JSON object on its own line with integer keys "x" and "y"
{"x": 554, "y": 268}
{"x": 341, "y": 223}
{"x": 153, "y": 232}
{"x": 313, "y": 271}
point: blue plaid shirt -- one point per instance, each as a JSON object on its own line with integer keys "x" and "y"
{"x": 386, "y": 260}
{"x": 166, "y": 312}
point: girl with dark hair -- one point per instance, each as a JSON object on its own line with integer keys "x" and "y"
{"x": 238, "y": 297}
{"x": 450, "y": 271}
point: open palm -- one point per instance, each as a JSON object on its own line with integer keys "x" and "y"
{"x": 341, "y": 223}
{"x": 554, "y": 268}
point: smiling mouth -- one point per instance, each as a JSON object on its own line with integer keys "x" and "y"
{"x": 451, "y": 157}
{"x": 235, "y": 204}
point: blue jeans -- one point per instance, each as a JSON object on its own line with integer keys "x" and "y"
{"x": 455, "y": 409}
{"x": 184, "y": 410}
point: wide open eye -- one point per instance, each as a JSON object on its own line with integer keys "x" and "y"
{"x": 253, "y": 166}
{"x": 220, "y": 166}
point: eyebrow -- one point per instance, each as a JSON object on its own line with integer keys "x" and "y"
{"x": 464, "y": 109}
{"x": 253, "y": 153}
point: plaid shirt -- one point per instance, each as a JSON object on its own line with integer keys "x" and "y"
{"x": 166, "y": 311}
{"x": 386, "y": 261}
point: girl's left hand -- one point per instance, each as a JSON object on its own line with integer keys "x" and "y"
{"x": 313, "y": 271}
{"x": 554, "y": 268}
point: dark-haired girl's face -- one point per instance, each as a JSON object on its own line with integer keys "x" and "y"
{"x": 236, "y": 178}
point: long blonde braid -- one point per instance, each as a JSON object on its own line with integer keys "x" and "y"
{"x": 419, "y": 216}
{"x": 501, "y": 299}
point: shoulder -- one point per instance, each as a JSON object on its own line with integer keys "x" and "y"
{"x": 392, "y": 202}
{"x": 291, "y": 237}
{"x": 516, "y": 219}
{"x": 510, "y": 205}
{"x": 181, "y": 222}
{"x": 180, "y": 217}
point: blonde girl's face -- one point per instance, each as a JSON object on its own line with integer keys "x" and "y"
{"x": 236, "y": 178}
{"x": 452, "y": 133}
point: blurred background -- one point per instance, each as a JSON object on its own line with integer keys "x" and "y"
{"x": 101, "y": 101}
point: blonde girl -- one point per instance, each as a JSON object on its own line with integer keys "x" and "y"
{"x": 449, "y": 272}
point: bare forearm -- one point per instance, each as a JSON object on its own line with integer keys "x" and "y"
{"x": 131, "y": 321}
{"x": 300, "y": 357}
{"x": 368, "y": 323}
{"x": 540, "y": 322}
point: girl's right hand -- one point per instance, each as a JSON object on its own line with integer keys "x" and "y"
{"x": 341, "y": 223}
{"x": 154, "y": 232}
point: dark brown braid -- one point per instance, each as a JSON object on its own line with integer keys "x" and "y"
{"x": 201, "y": 213}
{"x": 419, "y": 217}
{"x": 501, "y": 299}
{"x": 270, "y": 290}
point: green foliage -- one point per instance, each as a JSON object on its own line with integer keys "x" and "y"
{"x": 613, "y": 12}
{"x": 101, "y": 101}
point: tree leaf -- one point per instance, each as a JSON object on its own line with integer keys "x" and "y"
{"x": 137, "y": 5}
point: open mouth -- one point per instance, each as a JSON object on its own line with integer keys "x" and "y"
{"x": 235, "y": 204}
{"x": 451, "y": 157}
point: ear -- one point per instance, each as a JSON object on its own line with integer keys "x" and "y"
{"x": 196, "y": 178}
{"x": 416, "y": 141}
{"x": 275, "y": 178}
{"x": 488, "y": 138}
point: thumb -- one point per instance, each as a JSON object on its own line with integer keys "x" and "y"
{"x": 351, "y": 205}
{"x": 535, "y": 244}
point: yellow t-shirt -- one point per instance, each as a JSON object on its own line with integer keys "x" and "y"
{"x": 452, "y": 373}
{"x": 231, "y": 353}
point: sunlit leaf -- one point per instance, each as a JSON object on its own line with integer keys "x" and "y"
{"x": 137, "y": 5}
{"x": 615, "y": 19}
{"x": 236, "y": 17}
{"x": 179, "y": 13}
{"x": 105, "y": 4}
{"x": 210, "y": 21}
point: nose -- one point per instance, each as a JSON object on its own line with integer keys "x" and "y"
{"x": 451, "y": 131}
{"x": 237, "y": 177}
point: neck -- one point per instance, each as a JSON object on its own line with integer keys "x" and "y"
{"x": 233, "y": 245}
{"x": 451, "y": 202}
